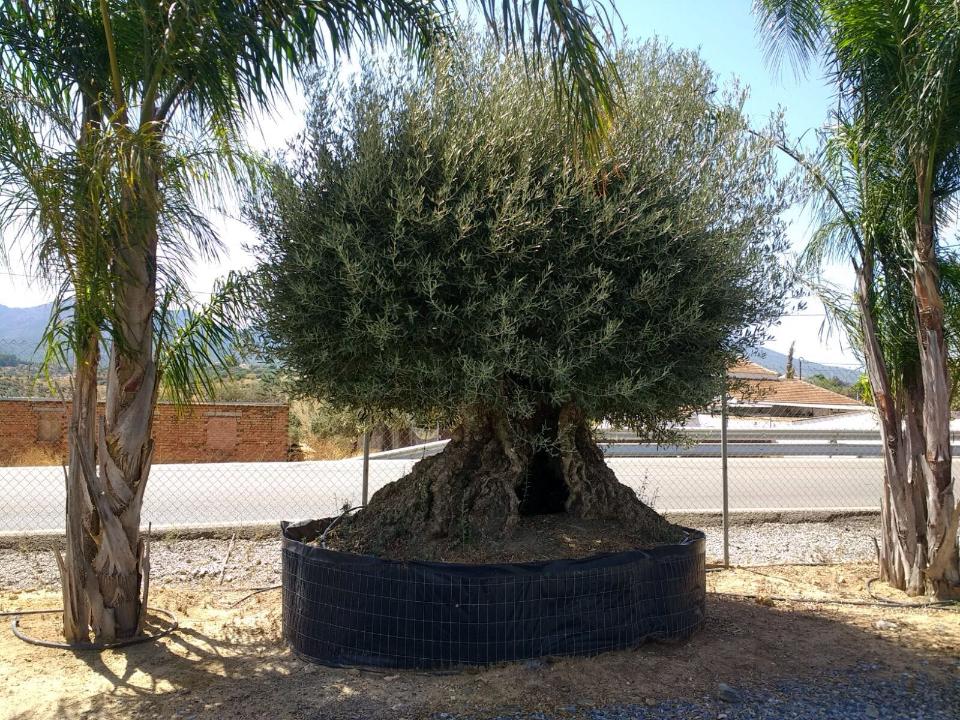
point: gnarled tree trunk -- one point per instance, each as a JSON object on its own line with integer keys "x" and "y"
{"x": 489, "y": 476}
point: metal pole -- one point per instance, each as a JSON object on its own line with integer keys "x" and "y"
{"x": 366, "y": 467}
{"x": 723, "y": 462}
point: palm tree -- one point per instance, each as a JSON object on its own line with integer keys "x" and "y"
{"x": 121, "y": 116}
{"x": 895, "y": 66}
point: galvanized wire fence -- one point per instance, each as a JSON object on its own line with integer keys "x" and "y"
{"x": 195, "y": 494}
{"x": 768, "y": 471}
{"x": 31, "y": 498}
{"x": 814, "y": 465}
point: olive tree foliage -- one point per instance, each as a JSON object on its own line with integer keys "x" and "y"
{"x": 433, "y": 243}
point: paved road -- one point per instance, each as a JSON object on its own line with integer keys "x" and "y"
{"x": 234, "y": 493}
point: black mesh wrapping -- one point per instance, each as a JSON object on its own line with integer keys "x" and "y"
{"x": 345, "y": 609}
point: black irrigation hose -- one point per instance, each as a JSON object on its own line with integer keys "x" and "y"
{"x": 946, "y": 605}
{"x": 15, "y": 627}
{"x": 13, "y": 613}
{"x": 255, "y": 592}
{"x": 896, "y": 603}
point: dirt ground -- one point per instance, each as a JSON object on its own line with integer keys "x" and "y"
{"x": 536, "y": 537}
{"x": 228, "y": 662}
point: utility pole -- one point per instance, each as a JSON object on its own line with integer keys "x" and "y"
{"x": 366, "y": 467}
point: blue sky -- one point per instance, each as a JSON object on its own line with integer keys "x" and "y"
{"x": 724, "y": 31}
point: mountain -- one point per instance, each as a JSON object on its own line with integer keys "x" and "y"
{"x": 21, "y": 329}
{"x": 778, "y": 361}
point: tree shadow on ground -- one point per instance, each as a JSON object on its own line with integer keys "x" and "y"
{"x": 232, "y": 663}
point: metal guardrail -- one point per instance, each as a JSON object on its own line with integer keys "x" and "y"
{"x": 707, "y": 444}
{"x": 746, "y": 449}
{"x": 703, "y": 435}
{"x": 757, "y": 435}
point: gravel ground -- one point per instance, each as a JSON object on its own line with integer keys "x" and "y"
{"x": 840, "y": 541}
{"x": 255, "y": 563}
{"x": 252, "y": 563}
{"x": 860, "y": 694}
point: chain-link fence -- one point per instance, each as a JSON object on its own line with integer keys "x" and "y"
{"x": 805, "y": 478}
{"x": 195, "y": 494}
{"x": 819, "y": 466}
{"x": 771, "y": 470}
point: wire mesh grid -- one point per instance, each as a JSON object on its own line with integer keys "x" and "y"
{"x": 347, "y": 610}
{"x": 817, "y": 483}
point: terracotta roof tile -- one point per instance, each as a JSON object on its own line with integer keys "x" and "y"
{"x": 745, "y": 368}
{"x": 781, "y": 391}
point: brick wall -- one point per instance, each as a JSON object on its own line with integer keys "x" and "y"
{"x": 222, "y": 432}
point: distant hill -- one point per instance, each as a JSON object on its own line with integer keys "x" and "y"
{"x": 778, "y": 361}
{"x": 21, "y": 329}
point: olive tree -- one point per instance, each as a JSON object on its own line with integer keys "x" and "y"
{"x": 437, "y": 244}
{"x": 119, "y": 121}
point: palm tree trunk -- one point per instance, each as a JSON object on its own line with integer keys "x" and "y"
{"x": 125, "y": 445}
{"x": 942, "y": 566}
{"x": 900, "y": 559}
{"x": 915, "y": 490}
{"x": 75, "y": 568}
{"x": 124, "y": 451}
{"x": 106, "y": 570}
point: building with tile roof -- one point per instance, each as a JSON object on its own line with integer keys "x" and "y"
{"x": 756, "y": 390}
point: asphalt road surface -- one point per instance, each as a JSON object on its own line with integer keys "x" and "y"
{"x": 227, "y": 494}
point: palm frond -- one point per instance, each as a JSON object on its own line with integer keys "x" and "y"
{"x": 569, "y": 37}
{"x": 197, "y": 345}
{"x": 791, "y": 30}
